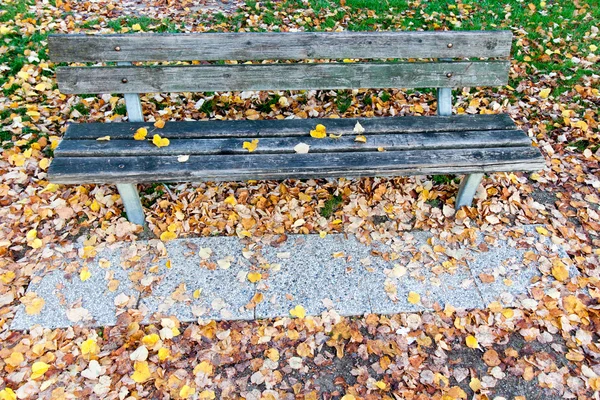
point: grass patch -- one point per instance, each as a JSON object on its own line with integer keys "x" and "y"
{"x": 331, "y": 205}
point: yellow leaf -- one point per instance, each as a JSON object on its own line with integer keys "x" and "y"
{"x": 560, "y": 271}
{"x": 163, "y": 354}
{"x": 150, "y": 340}
{"x": 381, "y": 385}
{"x": 167, "y": 235}
{"x": 31, "y": 234}
{"x": 7, "y": 393}
{"x": 361, "y": 139}
{"x": 186, "y": 391}
{"x": 140, "y": 134}
{"x": 51, "y": 187}
{"x": 35, "y": 306}
{"x": 136, "y": 27}
{"x": 160, "y": 142}
{"x": 5, "y": 30}
{"x": 168, "y": 264}
{"x": 414, "y": 298}
{"x": 103, "y": 139}
{"x": 85, "y": 274}
{"x": 535, "y": 176}
{"x": 38, "y": 369}
{"x": 159, "y": 124}
{"x": 36, "y": 243}
{"x": 542, "y": 231}
{"x": 89, "y": 347}
{"x": 230, "y": 200}
{"x": 44, "y": 163}
{"x": 205, "y": 367}
{"x": 581, "y": 125}
{"x": 472, "y": 342}
{"x": 349, "y": 397}
{"x": 254, "y": 276}
{"x": 544, "y": 93}
{"x": 475, "y": 384}
{"x": 141, "y": 372}
{"x": 319, "y": 132}
{"x": 95, "y": 206}
{"x": 15, "y": 359}
{"x": 196, "y": 293}
{"x": 593, "y": 47}
{"x": 322, "y": 234}
{"x": 206, "y": 395}
{"x": 298, "y": 312}
{"x": 250, "y": 146}
{"x": 272, "y": 354}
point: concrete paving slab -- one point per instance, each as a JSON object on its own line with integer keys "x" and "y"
{"x": 317, "y": 274}
{"x": 70, "y": 301}
{"x": 216, "y": 268}
{"x": 502, "y": 272}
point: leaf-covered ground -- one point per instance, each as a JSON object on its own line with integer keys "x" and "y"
{"x": 546, "y": 347}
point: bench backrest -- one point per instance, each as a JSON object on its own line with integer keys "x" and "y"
{"x": 458, "y": 62}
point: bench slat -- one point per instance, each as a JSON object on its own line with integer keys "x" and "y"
{"x": 218, "y": 78}
{"x": 389, "y": 142}
{"x": 71, "y": 170}
{"x": 294, "y": 127}
{"x": 278, "y": 46}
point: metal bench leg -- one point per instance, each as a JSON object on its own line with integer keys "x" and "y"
{"x": 468, "y": 188}
{"x": 132, "y": 203}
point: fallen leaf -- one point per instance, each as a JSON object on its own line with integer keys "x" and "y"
{"x": 319, "y": 132}
{"x": 167, "y": 235}
{"x": 140, "y": 134}
{"x": 186, "y": 391}
{"x": 301, "y": 148}
{"x": 250, "y": 146}
{"x": 358, "y": 128}
{"x": 141, "y": 372}
{"x": 361, "y": 139}
{"x": 103, "y": 139}
{"x": 183, "y": 158}
{"x": 85, "y": 274}
{"x": 472, "y": 342}
{"x": 298, "y": 312}
{"x": 159, "y": 124}
{"x": 414, "y": 298}
{"x": 254, "y": 276}
{"x": 38, "y": 369}
{"x": 160, "y": 142}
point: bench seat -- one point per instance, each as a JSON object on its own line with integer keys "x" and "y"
{"x": 461, "y": 144}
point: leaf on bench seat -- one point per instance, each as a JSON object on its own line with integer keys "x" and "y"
{"x": 250, "y": 146}
{"x": 160, "y": 142}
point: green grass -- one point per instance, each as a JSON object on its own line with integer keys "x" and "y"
{"x": 330, "y": 206}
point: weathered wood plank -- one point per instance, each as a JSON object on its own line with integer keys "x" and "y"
{"x": 278, "y": 46}
{"x": 302, "y": 76}
{"x": 297, "y": 166}
{"x": 295, "y": 127}
{"x": 270, "y": 145}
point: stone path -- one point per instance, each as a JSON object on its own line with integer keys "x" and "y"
{"x": 207, "y": 278}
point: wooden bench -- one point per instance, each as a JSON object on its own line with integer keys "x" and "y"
{"x": 442, "y": 144}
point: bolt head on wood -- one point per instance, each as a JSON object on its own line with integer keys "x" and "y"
{"x": 124, "y": 80}
{"x": 449, "y": 75}
{"x": 117, "y": 48}
{"x": 450, "y": 45}
{"x": 121, "y": 166}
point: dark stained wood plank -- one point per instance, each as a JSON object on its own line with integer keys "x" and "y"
{"x": 278, "y": 46}
{"x": 389, "y": 142}
{"x": 302, "y": 76}
{"x": 71, "y": 170}
{"x": 294, "y": 127}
